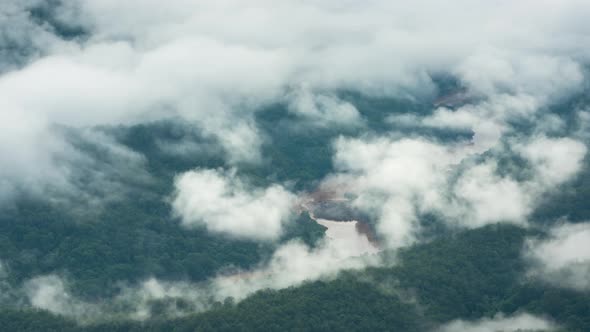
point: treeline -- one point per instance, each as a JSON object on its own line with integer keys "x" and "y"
{"x": 470, "y": 275}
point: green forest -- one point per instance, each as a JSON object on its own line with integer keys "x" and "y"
{"x": 471, "y": 274}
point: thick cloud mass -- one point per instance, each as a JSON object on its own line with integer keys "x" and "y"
{"x": 215, "y": 62}
{"x": 223, "y": 204}
{"x": 555, "y": 160}
{"x": 564, "y": 258}
{"x": 396, "y": 180}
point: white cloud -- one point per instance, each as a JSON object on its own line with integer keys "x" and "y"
{"x": 394, "y": 180}
{"x": 491, "y": 198}
{"x": 138, "y": 299}
{"x": 292, "y": 264}
{"x": 324, "y": 110}
{"x": 82, "y": 180}
{"x": 487, "y": 119}
{"x": 537, "y": 75}
{"x": 223, "y": 204}
{"x": 397, "y": 180}
{"x": 49, "y": 293}
{"x": 399, "y": 222}
{"x": 555, "y": 159}
{"x": 463, "y": 118}
{"x": 133, "y": 86}
{"x": 564, "y": 257}
{"x": 501, "y": 323}
{"x": 510, "y": 87}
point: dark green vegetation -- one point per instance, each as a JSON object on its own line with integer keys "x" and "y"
{"x": 129, "y": 242}
{"x": 468, "y": 275}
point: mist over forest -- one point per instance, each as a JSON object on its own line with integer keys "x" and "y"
{"x": 199, "y": 165}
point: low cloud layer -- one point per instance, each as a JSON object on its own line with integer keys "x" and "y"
{"x": 562, "y": 259}
{"x": 295, "y": 263}
{"x": 224, "y": 204}
{"x": 50, "y": 293}
{"x": 520, "y": 322}
{"x": 292, "y": 264}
